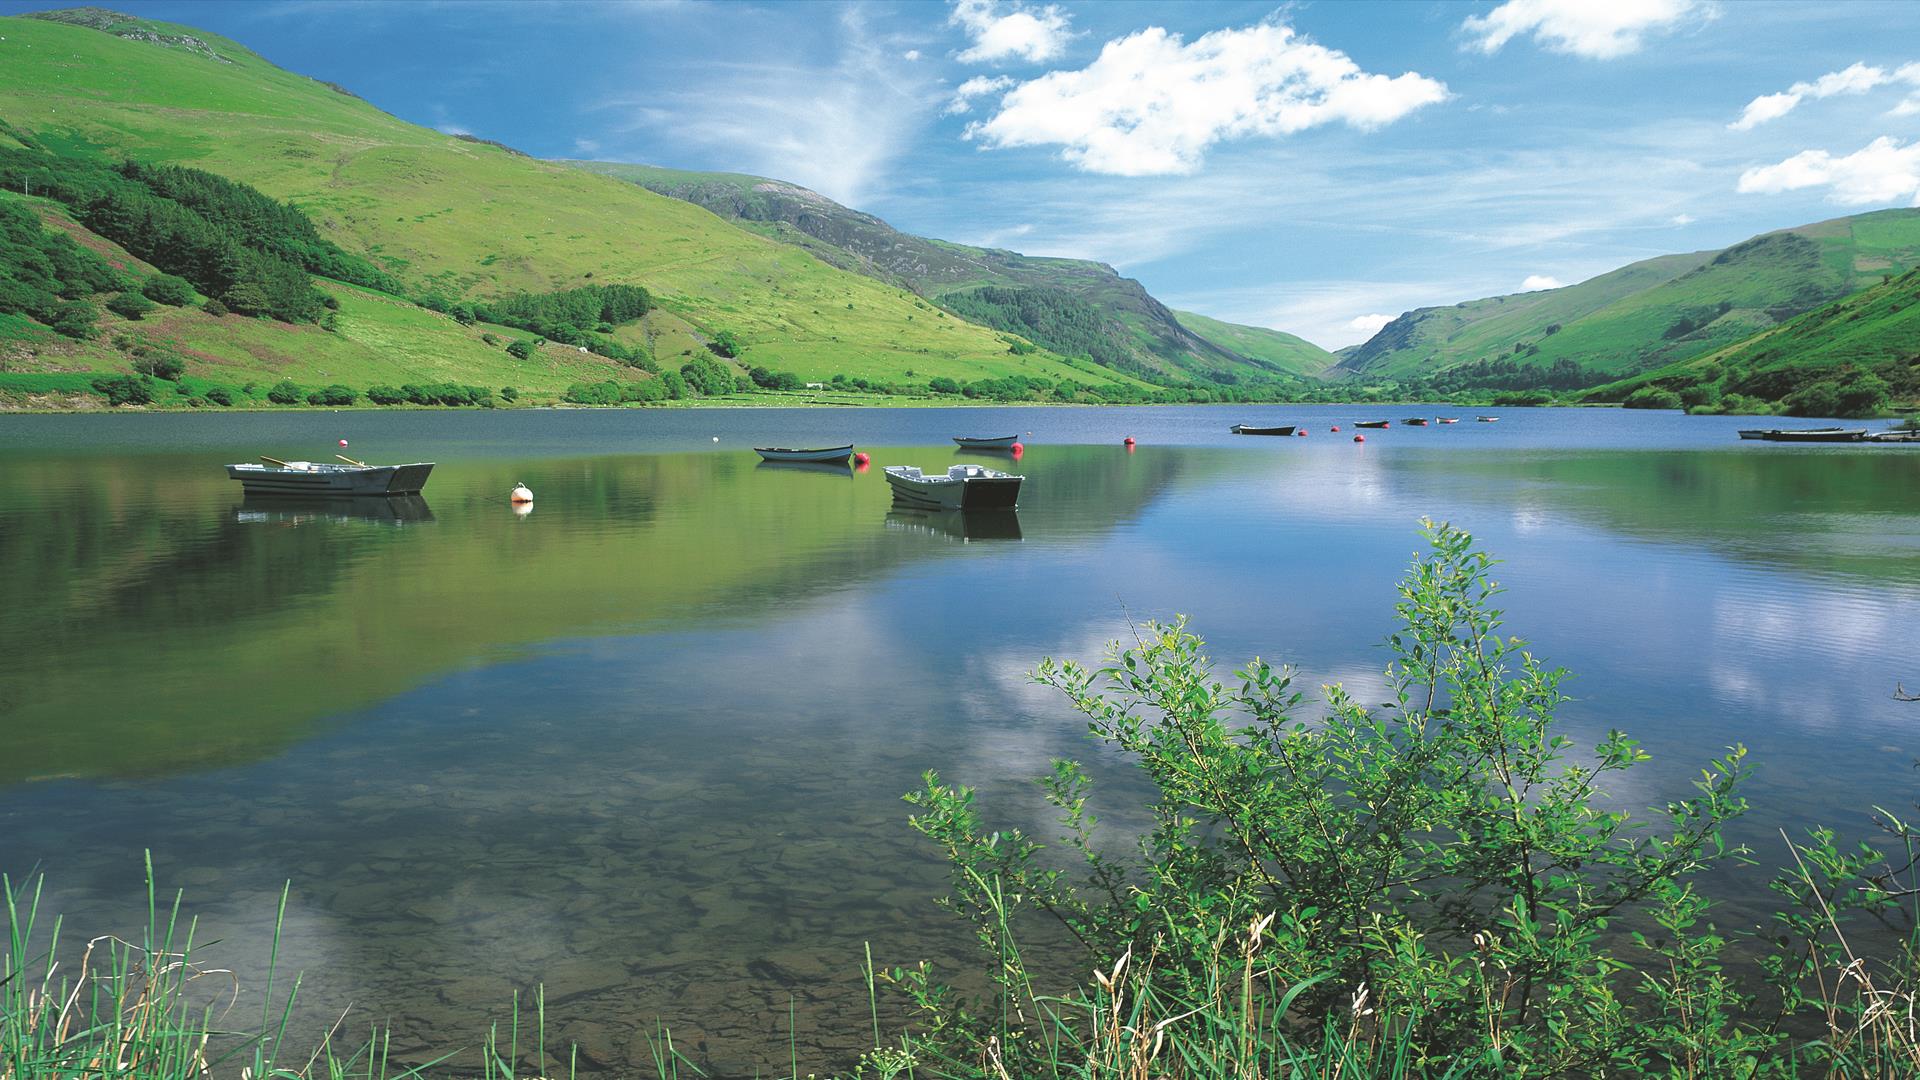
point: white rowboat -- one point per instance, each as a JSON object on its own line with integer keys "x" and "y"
{"x": 961, "y": 487}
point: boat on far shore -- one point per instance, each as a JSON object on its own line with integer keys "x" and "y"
{"x": 1807, "y": 435}
{"x": 1249, "y": 429}
{"x": 838, "y": 454}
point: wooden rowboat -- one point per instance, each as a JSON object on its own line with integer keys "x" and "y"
{"x": 314, "y": 478}
{"x": 828, "y": 453}
{"x": 1373, "y": 423}
{"x": 1802, "y": 435}
{"x": 961, "y": 487}
{"x": 1001, "y": 442}
{"x": 1249, "y": 429}
{"x": 1415, "y": 421}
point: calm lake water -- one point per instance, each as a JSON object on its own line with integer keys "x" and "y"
{"x": 646, "y": 744}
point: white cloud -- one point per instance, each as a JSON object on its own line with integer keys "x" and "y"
{"x": 1883, "y": 171}
{"x": 586, "y": 146}
{"x": 1152, "y": 104}
{"x": 1370, "y": 324}
{"x": 1683, "y": 219}
{"x": 835, "y": 126}
{"x": 1537, "y": 282}
{"x": 1010, "y": 31}
{"x": 1596, "y": 29}
{"x": 978, "y": 86}
{"x": 910, "y": 54}
{"x": 1855, "y": 79}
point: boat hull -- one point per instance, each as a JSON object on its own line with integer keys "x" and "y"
{"x": 828, "y": 454}
{"x": 1244, "y": 429}
{"x": 1373, "y": 423}
{"x": 1004, "y": 442}
{"x": 961, "y": 488}
{"x": 331, "y": 481}
{"x": 1813, "y": 435}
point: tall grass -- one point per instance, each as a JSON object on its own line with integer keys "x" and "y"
{"x": 153, "y": 1010}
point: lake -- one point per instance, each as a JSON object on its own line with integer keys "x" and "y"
{"x": 646, "y": 743}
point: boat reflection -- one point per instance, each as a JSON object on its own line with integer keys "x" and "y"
{"x": 301, "y": 509}
{"x": 959, "y": 524}
{"x": 824, "y": 468}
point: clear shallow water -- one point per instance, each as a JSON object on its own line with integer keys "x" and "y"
{"x": 646, "y": 743}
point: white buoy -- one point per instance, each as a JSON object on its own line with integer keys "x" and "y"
{"x": 716, "y": 438}
{"x": 521, "y": 494}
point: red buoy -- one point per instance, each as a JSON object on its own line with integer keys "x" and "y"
{"x": 861, "y": 459}
{"x": 1302, "y": 433}
{"x": 343, "y": 442}
{"x": 1128, "y": 440}
{"x": 1336, "y": 429}
{"x": 1018, "y": 449}
{"x": 1359, "y": 438}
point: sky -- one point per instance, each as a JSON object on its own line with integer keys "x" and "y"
{"x": 1316, "y": 167}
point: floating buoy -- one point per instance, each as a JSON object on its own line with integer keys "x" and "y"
{"x": 861, "y": 458}
{"x": 1018, "y": 449}
{"x": 1336, "y": 429}
{"x": 861, "y": 465}
{"x": 1359, "y": 438}
{"x": 343, "y": 442}
{"x": 1302, "y": 433}
{"x": 716, "y": 438}
{"x": 1128, "y": 441}
{"x": 522, "y": 495}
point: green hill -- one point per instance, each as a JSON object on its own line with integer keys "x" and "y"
{"x": 1646, "y": 315}
{"x": 1274, "y": 347}
{"x": 1072, "y": 306}
{"x": 460, "y": 219}
{"x": 1852, "y": 357}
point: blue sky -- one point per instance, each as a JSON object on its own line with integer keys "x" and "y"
{"x": 1310, "y": 166}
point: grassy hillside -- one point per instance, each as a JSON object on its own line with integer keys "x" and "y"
{"x": 1851, "y": 357}
{"x": 1652, "y": 313}
{"x": 1137, "y": 332}
{"x": 1282, "y": 350}
{"x": 466, "y": 219}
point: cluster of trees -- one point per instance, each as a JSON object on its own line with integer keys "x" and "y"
{"x": 1052, "y": 318}
{"x": 227, "y": 240}
{"x": 1510, "y": 374}
{"x": 1848, "y": 390}
{"x": 570, "y": 316}
{"x": 433, "y": 394}
{"x": 47, "y": 277}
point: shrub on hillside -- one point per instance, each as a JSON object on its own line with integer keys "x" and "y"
{"x": 220, "y": 395}
{"x": 284, "y": 392}
{"x": 707, "y": 376}
{"x": 161, "y": 365}
{"x": 124, "y": 390}
{"x": 509, "y": 394}
{"x": 520, "y": 350}
{"x": 1652, "y": 397}
{"x": 333, "y": 395}
{"x": 214, "y": 307}
{"x": 129, "y": 305}
{"x": 385, "y": 395}
{"x": 726, "y": 344}
{"x": 168, "y": 289}
{"x": 74, "y": 319}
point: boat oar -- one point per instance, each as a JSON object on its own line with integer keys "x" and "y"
{"x": 275, "y": 461}
{"x": 350, "y": 461}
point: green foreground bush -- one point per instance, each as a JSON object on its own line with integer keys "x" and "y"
{"x": 1432, "y": 885}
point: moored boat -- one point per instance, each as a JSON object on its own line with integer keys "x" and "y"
{"x": 1487, "y": 419}
{"x": 1800, "y": 435}
{"x": 827, "y": 453}
{"x": 1415, "y": 421}
{"x": 316, "y": 478}
{"x": 1896, "y": 435}
{"x": 1249, "y": 429}
{"x": 1756, "y": 433}
{"x": 961, "y": 487}
{"x": 1446, "y": 419}
{"x": 1373, "y": 423}
{"x": 1000, "y": 442}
